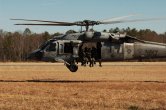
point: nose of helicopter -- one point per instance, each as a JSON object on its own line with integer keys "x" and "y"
{"x": 35, "y": 55}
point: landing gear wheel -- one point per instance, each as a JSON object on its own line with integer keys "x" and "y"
{"x": 72, "y": 67}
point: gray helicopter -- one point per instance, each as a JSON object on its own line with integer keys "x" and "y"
{"x": 90, "y": 46}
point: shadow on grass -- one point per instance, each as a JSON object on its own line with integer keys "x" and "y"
{"x": 54, "y": 81}
{"x": 133, "y": 108}
{"x": 76, "y": 81}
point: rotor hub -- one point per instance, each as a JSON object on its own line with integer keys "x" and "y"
{"x": 87, "y": 23}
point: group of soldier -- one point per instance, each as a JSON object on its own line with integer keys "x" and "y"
{"x": 89, "y": 56}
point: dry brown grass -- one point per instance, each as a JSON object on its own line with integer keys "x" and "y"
{"x": 115, "y": 86}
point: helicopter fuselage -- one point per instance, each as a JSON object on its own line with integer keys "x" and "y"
{"x": 106, "y": 46}
{"x": 109, "y": 47}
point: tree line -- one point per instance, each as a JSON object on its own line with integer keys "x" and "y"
{"x": 15, "y": 46}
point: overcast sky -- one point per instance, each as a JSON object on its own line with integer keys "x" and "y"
{"x": 76, "y": 10}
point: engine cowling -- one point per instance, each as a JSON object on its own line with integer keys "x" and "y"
{"x": 97, "y": 36}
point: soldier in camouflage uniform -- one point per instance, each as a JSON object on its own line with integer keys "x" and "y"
{"x": 88, "y": 56}
{"x": 93, "y": 55}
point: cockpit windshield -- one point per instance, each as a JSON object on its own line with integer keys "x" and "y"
{"x": 51, "y": 47}
{"x": 45, "y": 44}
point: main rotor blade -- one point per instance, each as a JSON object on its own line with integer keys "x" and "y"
{"x": 40, "y": 21}
{"x": 45, "y": 24}
{"x": 136, "y": 20}
{"x": 117, "y": 18}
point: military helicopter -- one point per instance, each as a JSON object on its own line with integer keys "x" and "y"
{"x": 69, "y": 48}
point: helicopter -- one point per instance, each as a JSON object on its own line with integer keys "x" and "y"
{"x": 70, "y": 48}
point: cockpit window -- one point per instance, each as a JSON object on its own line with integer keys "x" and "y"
{"x": 51, "y": 47}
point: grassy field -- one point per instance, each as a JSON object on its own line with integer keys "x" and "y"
{"x": 51, "y": 86}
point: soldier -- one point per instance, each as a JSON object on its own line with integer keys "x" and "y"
{"x": 88, "y": 56}
{"x": 92, "y": 62}
{"x": 99, "y": 53}
{"x": 81, "y": 55}
{"x": 85, "y": 56}
{"x": 85, "y": 59}
{"x": 94, "y": 55}
{"x": 100, "y": 62}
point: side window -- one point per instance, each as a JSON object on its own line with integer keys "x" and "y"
{"x": 51, "y": 47}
